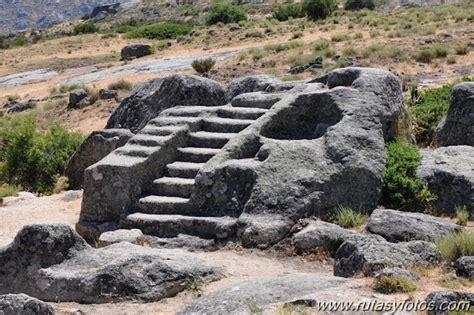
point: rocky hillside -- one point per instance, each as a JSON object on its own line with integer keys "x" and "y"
{"x": 16, "y": 15}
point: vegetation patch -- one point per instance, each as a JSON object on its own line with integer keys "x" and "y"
{"x": 390, "y": 285}
{"x": 85, "y": 28}
{"x": 165, "y": 30}
{"x": 225, "y": 13}
{"x": 203, "y": 66}
{"x": 456, "y": 245}
{"x": 401, "y": 187}
{"x": 349, "y": 218}
{"x": 288, "y": 10}
{"x": 319, "y": 9}
{"x": 359, "y": 4}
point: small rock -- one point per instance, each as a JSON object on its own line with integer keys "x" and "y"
{"x": 14, "y": 106}
{"x": 106, "y": 94}
{"x": 465, "y": 267}
{"x": 75, "y": 97}
{"x": 72, "y": 195}
{"x": 22, "y": 304}
{"x": 397, "y": 272}
{"x": 399, "y": 226}
{"x": 26, "y": 195}
{"x": 131, "y": 52}
{"x": 111, "y": 237}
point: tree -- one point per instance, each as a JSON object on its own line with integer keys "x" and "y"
{"x": 319, "y": 9}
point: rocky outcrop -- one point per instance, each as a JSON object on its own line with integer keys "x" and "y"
{"x": 370, "y": 255}
{"x": 15, "y": 106}
{"x": 458, "y": 127}
{"x": 280, "y": 156}
{"x": 250, "y": 296}
{"x": 135, "y": 51}
{"x": 53, "y": 263}
{"x": 107, "y": 94}
{"x": 465, "y": 267}
{"x": 22, "y": 304}
{"x": 450, "y": 176}
{"x": 93, "y": 149}
{"x": 440, "y": 302}
{"x": 75, "y": 97}
{"x": 149, "y": 99}
{"x": 253, "y": 83}
{"x": 321, "y": 235}
{"x": 399, "y": 226}
{"x": 102, "y": 11}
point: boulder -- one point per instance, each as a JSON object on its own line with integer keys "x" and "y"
{"x": 465, "y": 267}
{"x": 152, "y": 97}
{"x": 255, "y": 99}
{"x": 22, "y": 304}
{"x": 398, "y": 273}
{"x": 440, "y": 302}
{"x": 75, "y": 97}
{"x": 263, "y": 230}
{"x": 122, "y": 235}
{"x": 450, "y": 176}
{"x": 370, "y": 255}
{"x": 255, "y": 296}
{"x": 106, "y": 94}
{"x": 131, "y": 52}
{"x": 187, "y": 242}
{"x": 53, "y": 263}
{"x": 253, "y": 83}
{"x": 399, "y": 226}
{"x": 321, "y": 235}
{"x": 458, "y": 127}
{"x": 15, "y": 107}
{"x": 93, "y": 149}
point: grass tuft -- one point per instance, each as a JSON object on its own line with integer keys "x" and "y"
{"x": 456, "y": 245}
{"x": 390, "y": 285}
{"x": 348, "y": 218}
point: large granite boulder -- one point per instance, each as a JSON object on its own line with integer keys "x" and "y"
{"x": 131, "y": 52}
{"x": 252, "y": 83}
{"x": 93, "y": 149}
{"x": 22, "y": 304}
{"x": 440, "y": 302}
{"x": 255, "y": 296}
{"x": 315, "y": 149}
{"x": 370, "y": 255}
{"x": 450, "y": 176}
{"x": 458, "y": 127}
{"x": 399, "y": 226}
{"x": 465, "y": 267}
{"x": 152, "y": 97}
{"x": 53, "y": 263}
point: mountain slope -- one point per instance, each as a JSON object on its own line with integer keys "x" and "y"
{"x": 16, "y": 15}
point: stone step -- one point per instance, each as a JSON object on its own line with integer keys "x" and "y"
{"x": 184, "y": 169}
{"x": 136, "y": 150}
{"x": 173, "y": 121}
{"x": 241, "y": 112}
{"x": 187, "y": 111}
{"x": 225, "y": 124}
{"x": 164, "y": 205}
{"x": 173, "y": 186}
{"x": 149, "y": 140}
{"x": 195, "y": 154}
{"x": 209, "y": 139}
{"x": 172, "y": 225}
{"x": 159, "y": 131}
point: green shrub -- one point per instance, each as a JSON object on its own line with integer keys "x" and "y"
{"x": 401, "y": 187}
{"x": 8, "y": 190}
{"x": 121, "y": 85}
{"x": 318, "y": 9}
{"x": 461, "y": 49}
{"x": 340, "y": 37}
{"x": 321, "y": 44}
{"x": 426, "y": 55}
{"x": 359, "y": 4}
{"x": 288, "y": 10}
{"x": 456, "y": 245}
{"x": 33, "y": 159}
{"x": 390, "y": 285}
{"x": 462, "y": 215}
{"x": 203, "y": 66}
{"x": 225, "y": 13}
{"x": 348, "y": 218}
{"x": 19, "y": 40}
{"x": 349, "y": 51}
{"x": 85, "y": 28}
{"x": 165, "y": 30}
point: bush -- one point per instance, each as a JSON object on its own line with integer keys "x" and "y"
{"x": 318, "y": 9}
{"x": 456, "y": 245}
{"x": 340, "y": 37}
{"x": 359, "y": 4}
{"x": 462, "y": 215}
{"x": 461, "y": 49}
{"x": 121, "y": 85}
{"x": 288, "y": 10}
{"x": 321, "y": 44}
{"x": 390, "y": 285}
{"x": 33, "y": 160}
{"x": 225, "y": 13}
{"x": 19, "y": 40}
{"x": 401, "y": 187}
{"x": 348, "y": 218}
{"x": 203, "y": 66}
{"x": 85, "y": 28}
{"x": 426, "y": 55}
{"x": 165, "y": 30}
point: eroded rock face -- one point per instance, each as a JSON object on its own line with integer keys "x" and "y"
{"x": 450, "y": 176}
{"x": 149, "y": 99}
{"x": 399, "y": 226}
{"x": 370, "y": 255}
{"x": 53, "y": 263}
{"x": 22, "y": 304}
{"x": 93, "y": 149}
{"x": 458, "y": 127}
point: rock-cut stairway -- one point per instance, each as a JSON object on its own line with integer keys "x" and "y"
{"x": 168, "y": 210}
